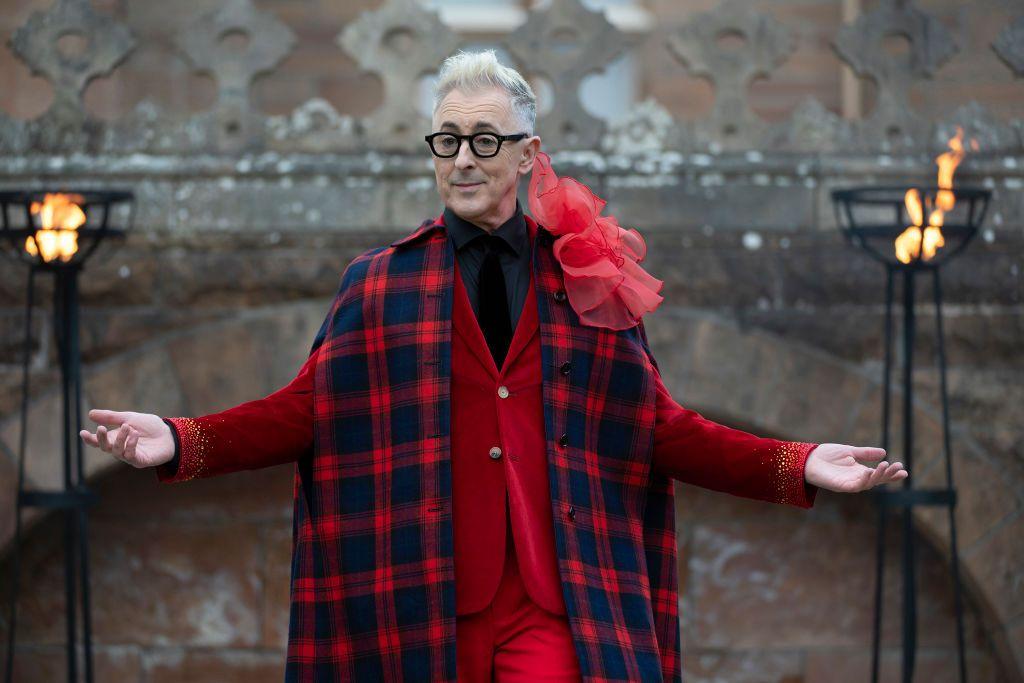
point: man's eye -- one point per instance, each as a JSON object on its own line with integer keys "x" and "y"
{"x": 446, "y": 141}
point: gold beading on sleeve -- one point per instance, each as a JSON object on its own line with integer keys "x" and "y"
{"x": 788, "y": 484}
{"x": 195, "y": 445}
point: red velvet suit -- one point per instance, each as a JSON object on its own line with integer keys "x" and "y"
{"x": 556, "y": 551}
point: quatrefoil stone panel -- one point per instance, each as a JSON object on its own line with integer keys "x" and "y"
{"x": 1009, "y": 45}
{"x": 566, "y": 42}
{"x": 865, "y": 46}
{"x": 730, "y": 46}
{"x": 207, "y": 44}
{"x": 400, "y": 41}
{"x": 104, "y": 43}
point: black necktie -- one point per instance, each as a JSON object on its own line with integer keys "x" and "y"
{"x": 494, "y": 318}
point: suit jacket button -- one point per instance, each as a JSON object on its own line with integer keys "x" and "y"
{"x": 560, "y": 295}
{"x": 563, "y": 440}
{"x": 495, "y": 452}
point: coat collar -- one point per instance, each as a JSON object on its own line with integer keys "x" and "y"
{"x": 428, "y": 227}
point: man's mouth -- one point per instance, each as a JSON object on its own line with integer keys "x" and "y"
{"x": 467, "y": 184}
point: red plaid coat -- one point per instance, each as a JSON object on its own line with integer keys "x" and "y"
{"x": 372, "y": 580}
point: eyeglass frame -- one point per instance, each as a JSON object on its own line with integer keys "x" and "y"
{"x": 515, "y": 137}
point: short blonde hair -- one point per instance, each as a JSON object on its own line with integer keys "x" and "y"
{"x": 474, "y": 71}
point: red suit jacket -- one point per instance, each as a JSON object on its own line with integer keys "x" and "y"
{"x": 501, "y": 441}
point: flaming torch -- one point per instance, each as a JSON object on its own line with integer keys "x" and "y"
{"x": 913, "y": 230}
{"x": 60, "y": 215}
{"x": 920, "y": 241}
{"x": 56, "y": 232}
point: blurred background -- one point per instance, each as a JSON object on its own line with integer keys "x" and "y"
{"x": 270, "y": 142}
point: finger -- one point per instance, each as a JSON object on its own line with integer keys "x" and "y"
{"x": 108, "y": 418}
{"x": 101, "y": 436}
{"x": 122, "y": 436}
{"x": 896, "y": 472}
{"x": 130, "y": 445}
{"x": 89, "y": 438}
{"x": 878, "y": 474}
{"x": 868, "y": 453}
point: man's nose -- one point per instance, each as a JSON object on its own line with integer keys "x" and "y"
{"x": 465, "y": 157}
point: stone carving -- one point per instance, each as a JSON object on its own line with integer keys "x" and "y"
{"x": 765, "y": 44}
{"x": 1010, "y": 45}
{"x": 811, "y": 128}
{"x": 314, "y": 126}
{"x": 646, "y": 128}
{"x": 98, "y": 44}
{"x": 862, "y": 44}
{"x": 104, "y": 44}
{"x": 978, "y": 123}
{"x": 205, "y": 44}
{"x": 400, "y": 41}
{"x": 564, "y": 43}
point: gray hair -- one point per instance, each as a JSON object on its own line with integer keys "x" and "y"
{"x": 474, "y": 71}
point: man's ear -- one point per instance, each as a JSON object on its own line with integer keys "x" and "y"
{"x": 530, "y": 150}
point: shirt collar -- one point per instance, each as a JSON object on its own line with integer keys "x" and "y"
{"x": 513, "y": 231}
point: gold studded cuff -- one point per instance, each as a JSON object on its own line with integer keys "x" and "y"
{"x": 192, "y": 444}
{"x": 788, "y": 483}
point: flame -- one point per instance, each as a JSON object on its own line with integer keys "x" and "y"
{"x": 908, "y": 244}
{"x": 948, "y": 161}
{"x": 912, "y": 200}
{"x": 60, "y": 217}
{"x": 915, "y": 242}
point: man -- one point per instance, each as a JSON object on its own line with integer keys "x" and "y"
{"x": 484, "y": 446}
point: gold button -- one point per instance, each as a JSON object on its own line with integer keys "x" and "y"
{"x": 495, "y": 452}
{"x": 503, "y": 391}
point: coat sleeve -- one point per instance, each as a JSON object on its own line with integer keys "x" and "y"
{"x": 269, "y": 431}
{"x": 261, "y": 433}
{"x": 698, "y": 451}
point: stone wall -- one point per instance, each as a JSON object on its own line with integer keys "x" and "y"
{"x": 268, "y": 143}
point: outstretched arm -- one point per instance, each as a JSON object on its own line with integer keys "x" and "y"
{"x": 269, "y": 431}
{"x": 695, "y": 450}
{"x": 690, "y": 448}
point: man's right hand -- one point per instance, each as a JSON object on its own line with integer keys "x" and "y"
{"x": 139, "y": 439}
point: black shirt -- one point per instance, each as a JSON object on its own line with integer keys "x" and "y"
{"x": 515, "y": 260}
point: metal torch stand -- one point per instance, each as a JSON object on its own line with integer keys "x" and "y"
{"x": 904, "y": 500}
{"x": 75, "y": 496}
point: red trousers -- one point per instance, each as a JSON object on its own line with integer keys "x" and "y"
{"x": 513, "y": 640}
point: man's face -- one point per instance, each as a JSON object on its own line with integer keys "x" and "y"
{"x": 482, "y": 190}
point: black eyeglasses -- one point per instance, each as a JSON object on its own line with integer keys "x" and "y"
{"x": 484, "y": 145}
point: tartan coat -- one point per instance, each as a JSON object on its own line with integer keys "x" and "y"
{"x": 372, "y": 576}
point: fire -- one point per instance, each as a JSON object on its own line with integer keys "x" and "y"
{"x": 60, "y": 217}
{"x": 920, "y": 240}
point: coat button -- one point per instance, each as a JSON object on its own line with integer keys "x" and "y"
{"x": 566, "y": 367}
{"x": 495, "y": 452}
{"x": 572, "y": 512}
{"x": 563, "y": 440}
{"x": 560, "y": 295}
{"x": 503, "y": 391}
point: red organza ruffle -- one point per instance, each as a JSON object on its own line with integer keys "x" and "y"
{"x": 604, "y": 283}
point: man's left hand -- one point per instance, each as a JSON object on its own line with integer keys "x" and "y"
{"x": 837, "y": 467}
